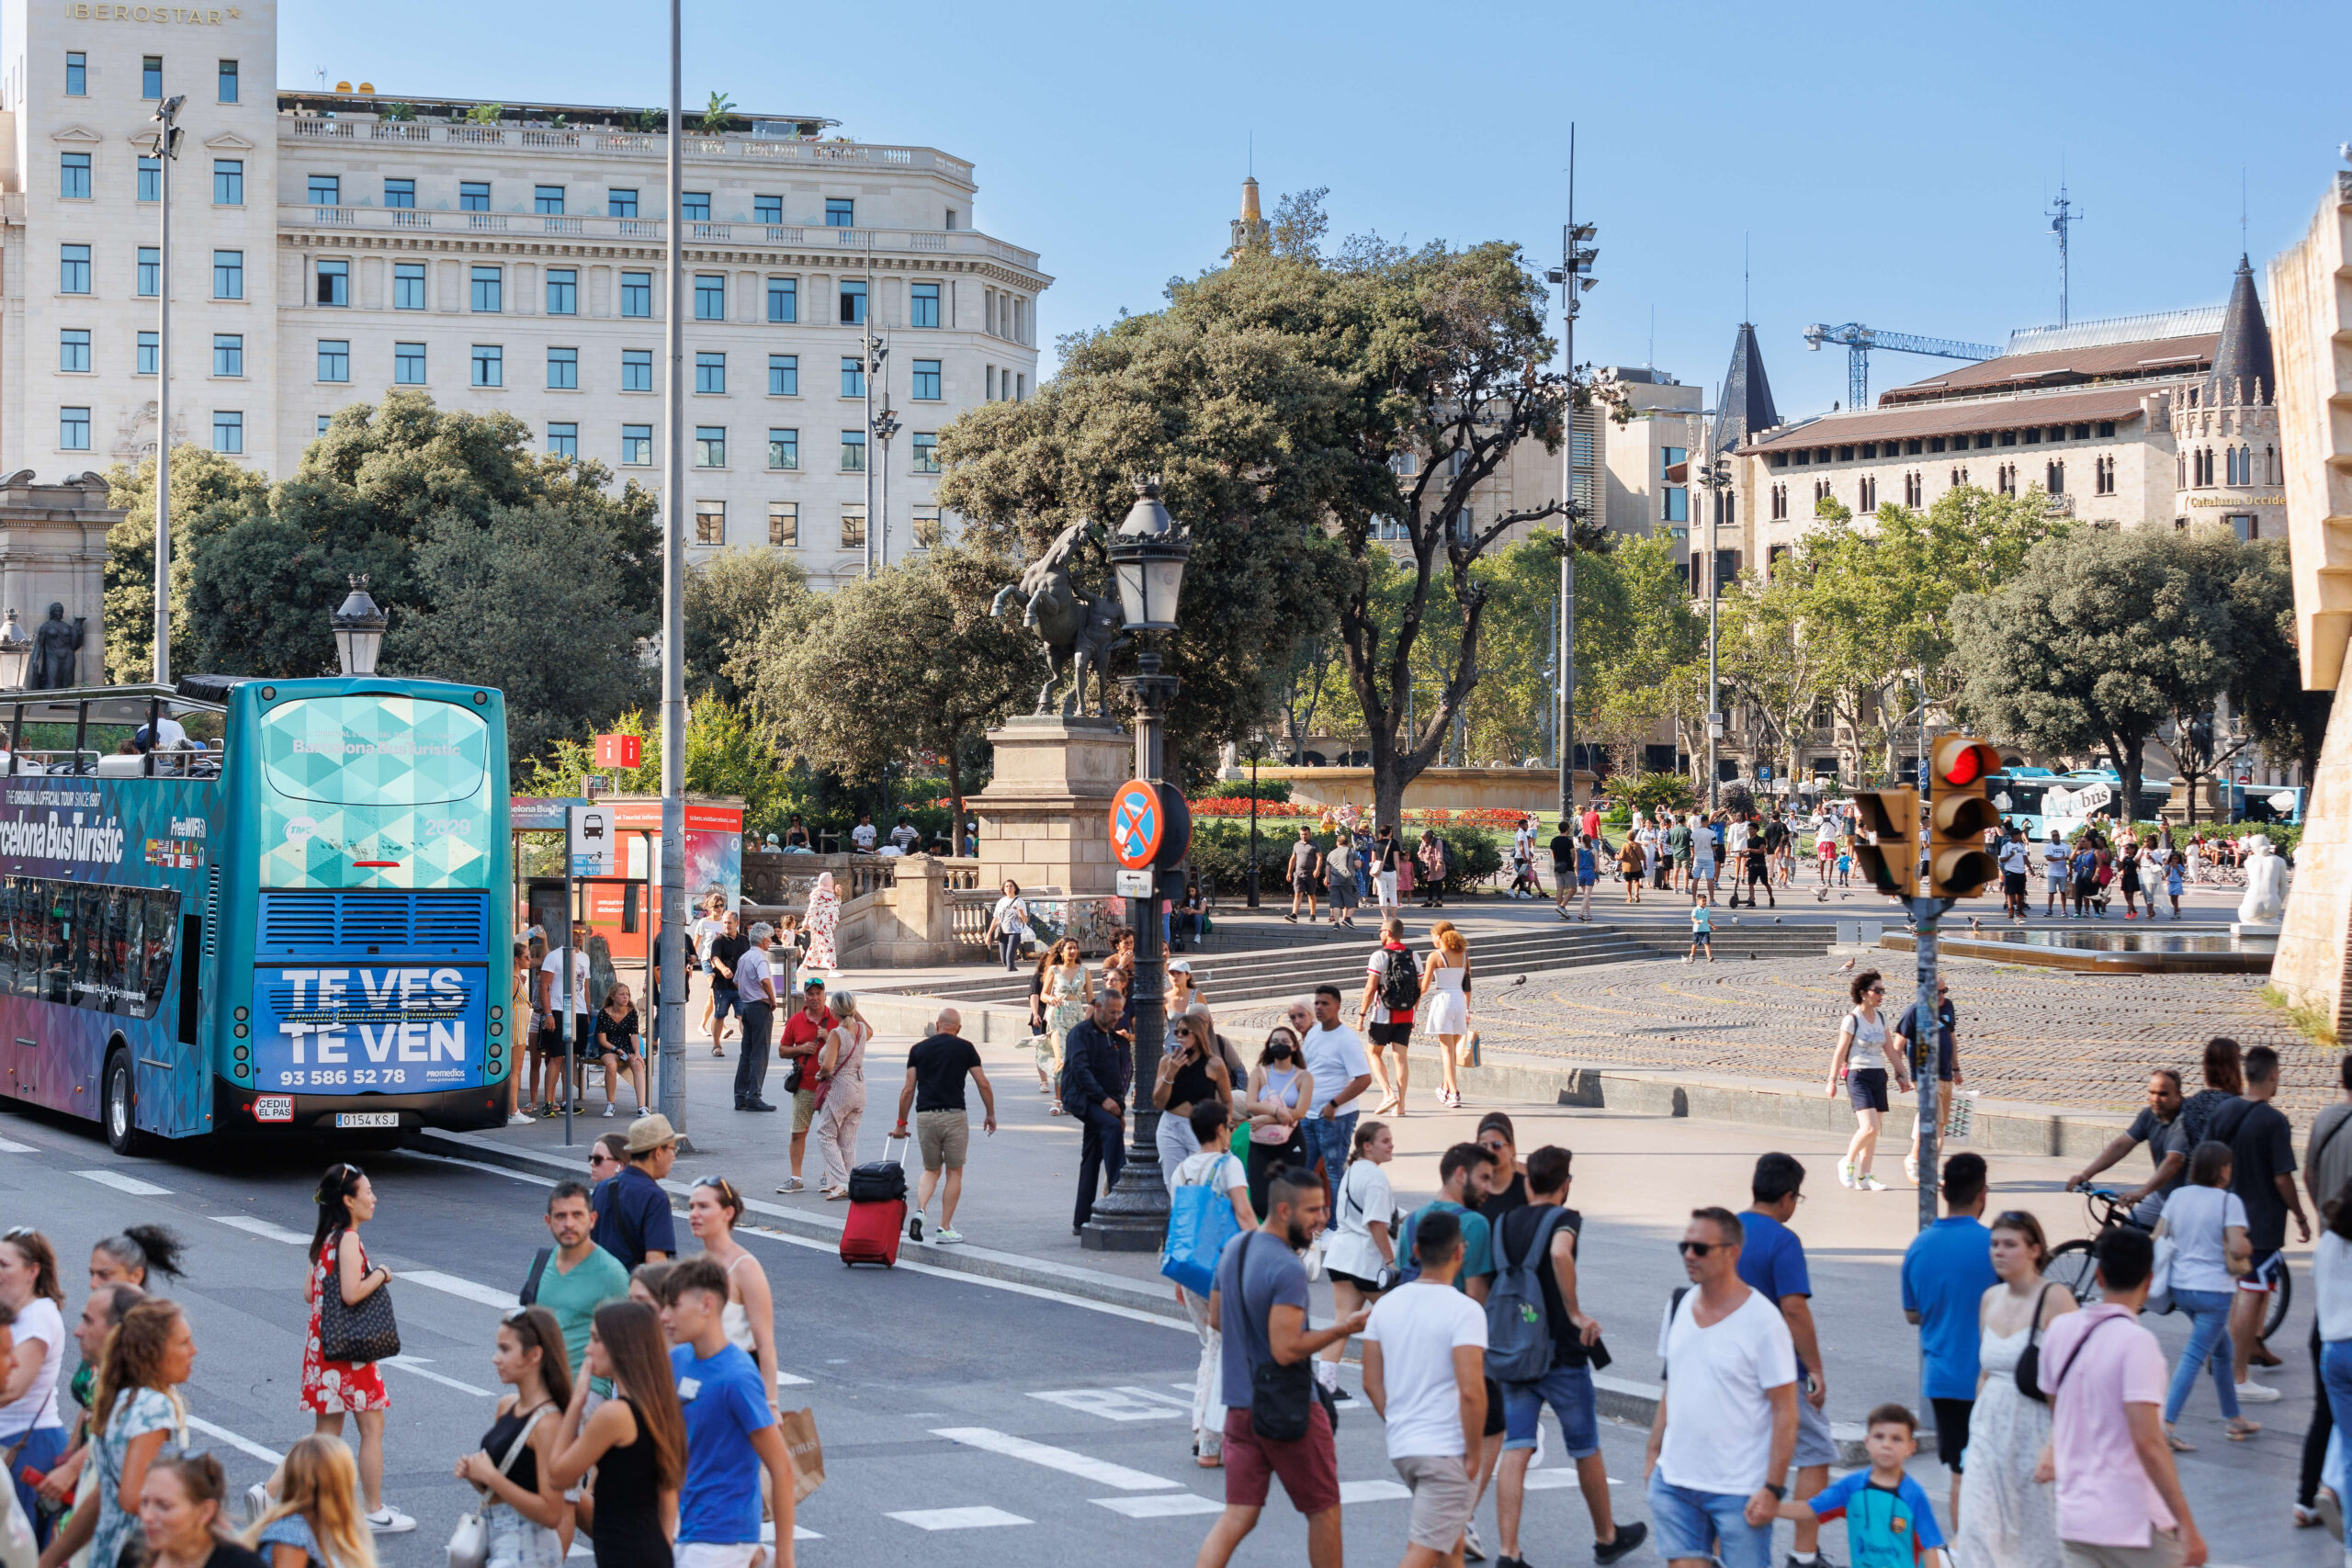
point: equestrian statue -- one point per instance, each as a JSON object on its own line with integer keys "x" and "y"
{"x": 1079, "y": 633}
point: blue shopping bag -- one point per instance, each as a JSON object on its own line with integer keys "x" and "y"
{"x": 1200, "y": 1222}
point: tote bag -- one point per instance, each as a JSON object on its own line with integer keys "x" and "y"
{"x": 1200, "y": 1222}
{"x": 368, "y": 1332}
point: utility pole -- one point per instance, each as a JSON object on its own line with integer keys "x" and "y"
{"x": 1713, "y": 476}
{"x": 167, "y": 144}
{"x": 870, "y": 349}
{"x": 886, "y": 425}
{"x": 1574, "y": 274}
{"x": 674, "y": 633}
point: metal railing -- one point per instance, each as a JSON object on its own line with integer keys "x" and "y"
{"x": 628, "y": 144}
{"x": 963, "y": 242}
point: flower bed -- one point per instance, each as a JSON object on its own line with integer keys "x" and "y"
{"x": 1230, "y": 805}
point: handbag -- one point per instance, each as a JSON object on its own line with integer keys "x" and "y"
{"x": 368, "y": 1332}
{"x": 1281, "y": 1397}
{"x": 469, "y": 1543}
{"x": 1200, "y": 1223}
{"x": 2028, "y": 1367}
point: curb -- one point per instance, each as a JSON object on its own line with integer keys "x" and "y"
{"x": 1012, "y": 1268}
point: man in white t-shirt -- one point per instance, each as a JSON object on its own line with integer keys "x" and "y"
{"x": 2016, "y": 864}
{"x": 1726, "y": 1425}
{"x": 1425, "y": 1373}
{"x": 906, "y": 836}
{"x": 862, "y": 836}
{"x": 2054, "y": 857}
{"x": 1341, "y": 1069}
{"x": 551, "y": 1008}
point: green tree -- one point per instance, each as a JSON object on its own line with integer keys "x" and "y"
{"x": 728, "y": 752}
{"x": 905, "y": 669}
{"x": 523, "y": 600}
{"x": 729, "y": 600}
{"x": 209, "y": 492}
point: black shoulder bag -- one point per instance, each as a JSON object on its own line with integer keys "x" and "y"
{"x": 529, "y": 1294}
{"x": 367, "y": 1332}
{"x": 1281, "y": 1397}
{"x": 2028, "y": 1373}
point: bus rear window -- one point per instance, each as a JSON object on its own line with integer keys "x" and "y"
{"x": 374, "y": 751}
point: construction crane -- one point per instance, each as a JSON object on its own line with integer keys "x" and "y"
{"x": 1859, "y": 340}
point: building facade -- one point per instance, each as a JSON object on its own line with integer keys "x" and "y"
{"x": 329, "y": 247}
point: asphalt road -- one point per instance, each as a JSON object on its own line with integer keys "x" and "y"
{"x": 956, "y": 1414}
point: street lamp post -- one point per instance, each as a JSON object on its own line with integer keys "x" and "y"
{"x": 1257, "y": 751}
{"x": 167, "y": 145}
{"x": 1713, "y": 476}
{"x": 1574, "y": 274}
{"x": 1147, "y": 556}
{"x": 671, "y": 932}
{"x": 358, "y": 629}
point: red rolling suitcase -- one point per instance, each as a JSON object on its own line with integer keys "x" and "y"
{"x": 877, "y": 1210}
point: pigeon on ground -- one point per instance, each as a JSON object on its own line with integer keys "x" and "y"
{"x": 1776, "y": 919}
{"x": 1974, "y": 924}
{"x": 1847, "y": 967}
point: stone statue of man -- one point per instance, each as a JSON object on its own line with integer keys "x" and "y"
{"x": 57, "y": 647}
{"x": 2265, "y": 903}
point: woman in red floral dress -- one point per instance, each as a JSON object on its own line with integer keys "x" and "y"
{"x": 331, "y": 1389}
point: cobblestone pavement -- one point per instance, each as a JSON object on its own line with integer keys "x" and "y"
{"x": 2047, "y": 1036}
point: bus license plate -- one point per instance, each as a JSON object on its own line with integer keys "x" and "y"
{"x": 367, "y": 1119}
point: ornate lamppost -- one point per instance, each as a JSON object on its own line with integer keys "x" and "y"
{"x": 16, "y": 652}
{"x": 1147, "y": 556}
{"x": 359, "y": 630}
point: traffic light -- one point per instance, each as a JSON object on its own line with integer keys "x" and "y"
{"x": 1886, "y": 841}
{"x": 1958, "y": 865}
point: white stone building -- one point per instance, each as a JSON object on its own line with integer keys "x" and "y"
{"x": 330, "y": 247}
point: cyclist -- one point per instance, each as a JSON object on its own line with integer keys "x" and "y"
{"x": 2158, "y": 1126}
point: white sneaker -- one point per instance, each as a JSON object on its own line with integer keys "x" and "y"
{"x": 1911, "y": 1168}
{"x": 947, "y": 1238}
{"x": 1869, "y": 1184}
{"x": 1473, "y": 1548}
{"x": 388, "y": 1520}
{"x": 2253, "y": 1392}
{"x": 1845, "y": 1173}
{"x": 608, "y": 1109}
{"x": 256, "y": 1502}
{"x": 520, "y": 1120}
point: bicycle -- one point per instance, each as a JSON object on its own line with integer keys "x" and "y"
{"x": 2074, "y": 1264}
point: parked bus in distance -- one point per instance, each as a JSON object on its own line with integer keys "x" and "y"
{"x": 2038, "y": 800}
{"x": 287, "y": 928}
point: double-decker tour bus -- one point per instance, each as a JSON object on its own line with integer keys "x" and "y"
{"x": 293, "y": 928}
{"x": 2039, "y": 800}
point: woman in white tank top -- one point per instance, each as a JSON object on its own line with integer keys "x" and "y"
{"x": 748, "y": 1316}
{"x": 1864, "y": 1060}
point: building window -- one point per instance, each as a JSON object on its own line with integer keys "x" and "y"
{"x": 2103, "y": 476}
{"x": 783, "y": 298}
{"x": 227, "y": 182}
{"x": 77, "y": 74}
{"x": 710, "y": 522}
{"x": 636, "y": 294}
{"x": 1779, "y": 503}
{"x": 923, "y": 305}
{"x": 853, "y": 376}
{"x": 636, "y": 370}
{"x": 563, "y": 440}
{"x": 2245, "y": 527}
{"x": 767, "y": 209}
{"x": 547, "y": 200}
{"x": 73, "y": 429}
{"x": 710, "y": 372}
{"x": 563, "y": 292}
{"x": 563, "y": 369}
{"x": 150, "y": 78}
{"x": 619, "y": 203}
{"x": 228, "y": 80}
{"x": 926, "y": 379}
{"x": 853, "y": 451}
{"x": 637, "y": 446}
{"x": 840, "y": 212}
{"x": 473, "y": 196}
{"x": 228, "y": 274}
{"x": 150, "y": 179}
{"x": 489, "y": 365}
{"x": 784, "y": 524}
{"x": 74, "y": 350}
{"x": 1820, "y": 494}
{"x": 73, "y": 176}
{"x": 399, "y": 193}
{"x": 2006, "y": 478}
{"x": 227, "y": 353}
{"x": 408, "y": 364}
{"x": 489, "y": 288}
{"x": 335, "y": 283}
{"x": 73, "y": 269}
{"x": 1668, "y": 459}
{"x": 325, "y": 420}
{"x": 784, "y": 449}
{"x": 335, "y": 359}
{"x": 1675, "y": 504}
{"x": 926, "y": 527}
{"x": 710, "y": 297}
{"x": 696, "y": 204}
{"x": 783, "y": 375}
{"x": 150, "y": 354}
{"x": 710, "y": 446}
{"x": 326, "y": 190}
{"x": 926, "y": 452}
{"x": 1914, "y": 490}
{"x": 853, "y": 529}
{"x": 2055, "y": 477}
{"x": 408, "y": 286}
{"x": 151, "y": 272}
{"x": 228, "y": 432}
{"x": 853, "y": 310}
{"x": 1020, "y": 388}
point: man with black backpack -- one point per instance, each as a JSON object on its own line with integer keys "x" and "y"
{"x": 1541, "y": 1347}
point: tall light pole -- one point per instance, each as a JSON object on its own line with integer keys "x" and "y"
{"x": 167, "y": 147}
{"x": 674, "y": 632}
{"x": 1715, "y": 475}
{"x": 1574, "y": 274}
{"x": 885, "y": 424}
{"x": 870, "y": 352}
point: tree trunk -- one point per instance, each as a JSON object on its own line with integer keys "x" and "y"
{"x": 2126, "y": 756}
{"x": 955, "y": 801}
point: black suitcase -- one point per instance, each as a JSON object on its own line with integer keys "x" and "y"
{"x": 879, "y": 1181}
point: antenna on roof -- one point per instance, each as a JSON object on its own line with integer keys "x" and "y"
{"x": 2061, "y": 217}
{"x": 1743, "y": 279}
{"x": 2241, "y": 208}
{"x": 1253, "y": 154}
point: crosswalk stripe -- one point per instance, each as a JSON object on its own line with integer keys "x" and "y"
{"x": 1166, "y": 1505}
{"x": 767, "y": 1533}
{"x": 785, "y": 1378}
{"x": 1372, "y": 1490}
{"x": 1110, "y": 1404}
{"x": 263, "y": 1228}
{"x": 958, "y": 1518}
{"x": 433, "y": 1280}
{"x": 1082, "y": 1465}
{"x": 1553, "y": 1480}
{"x": 122, "y": 1183}
{"x": 1184, "y": 1405}
{"x": 414, "y": 1365}
{"x": 10, "y": 1147}
{"x": 242, "y": 1445}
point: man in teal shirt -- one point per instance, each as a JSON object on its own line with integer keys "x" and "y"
{"x": 575, "y": 1277}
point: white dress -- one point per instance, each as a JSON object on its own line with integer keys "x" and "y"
{"x": 2006, "y": 1517}
{"x": 1444, "y": 1010}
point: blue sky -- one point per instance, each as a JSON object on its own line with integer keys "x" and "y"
{"x": 1886, "y": 165}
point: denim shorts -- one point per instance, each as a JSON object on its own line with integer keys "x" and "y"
{"x": 1568, "y": 1391}
{"x": 1691, "y": 1524}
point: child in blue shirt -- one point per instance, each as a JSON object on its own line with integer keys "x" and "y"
{"x": 1702, "y": 931}
{"x": 1889, "y": 1522}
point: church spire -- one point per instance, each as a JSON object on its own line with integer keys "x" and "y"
{"x": 1249, "y": 231}
{"x": 1745, "y": 409}
{"x": 2244, "y": 370}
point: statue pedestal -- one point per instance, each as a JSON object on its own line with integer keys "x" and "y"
{"x": 1046, "y": 815}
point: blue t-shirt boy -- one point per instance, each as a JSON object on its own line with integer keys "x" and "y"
{"x": 724, "y": 1405}
{"x": 1886, "y": 1527}
{"x": 1946, "y": 1271}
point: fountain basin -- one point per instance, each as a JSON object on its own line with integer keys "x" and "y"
{"x": 2141, "y": 952}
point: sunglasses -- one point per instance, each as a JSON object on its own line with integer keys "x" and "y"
{"x": 1696, "y": 1248}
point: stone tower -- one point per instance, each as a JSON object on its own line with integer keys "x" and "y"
{"x": 1250, "y": 230}
{"x": 2229, "y": 465}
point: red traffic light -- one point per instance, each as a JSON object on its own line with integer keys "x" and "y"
{"x": 1961, "y": 761}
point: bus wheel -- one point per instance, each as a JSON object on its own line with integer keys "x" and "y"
{"x": 121, "y": 1101}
